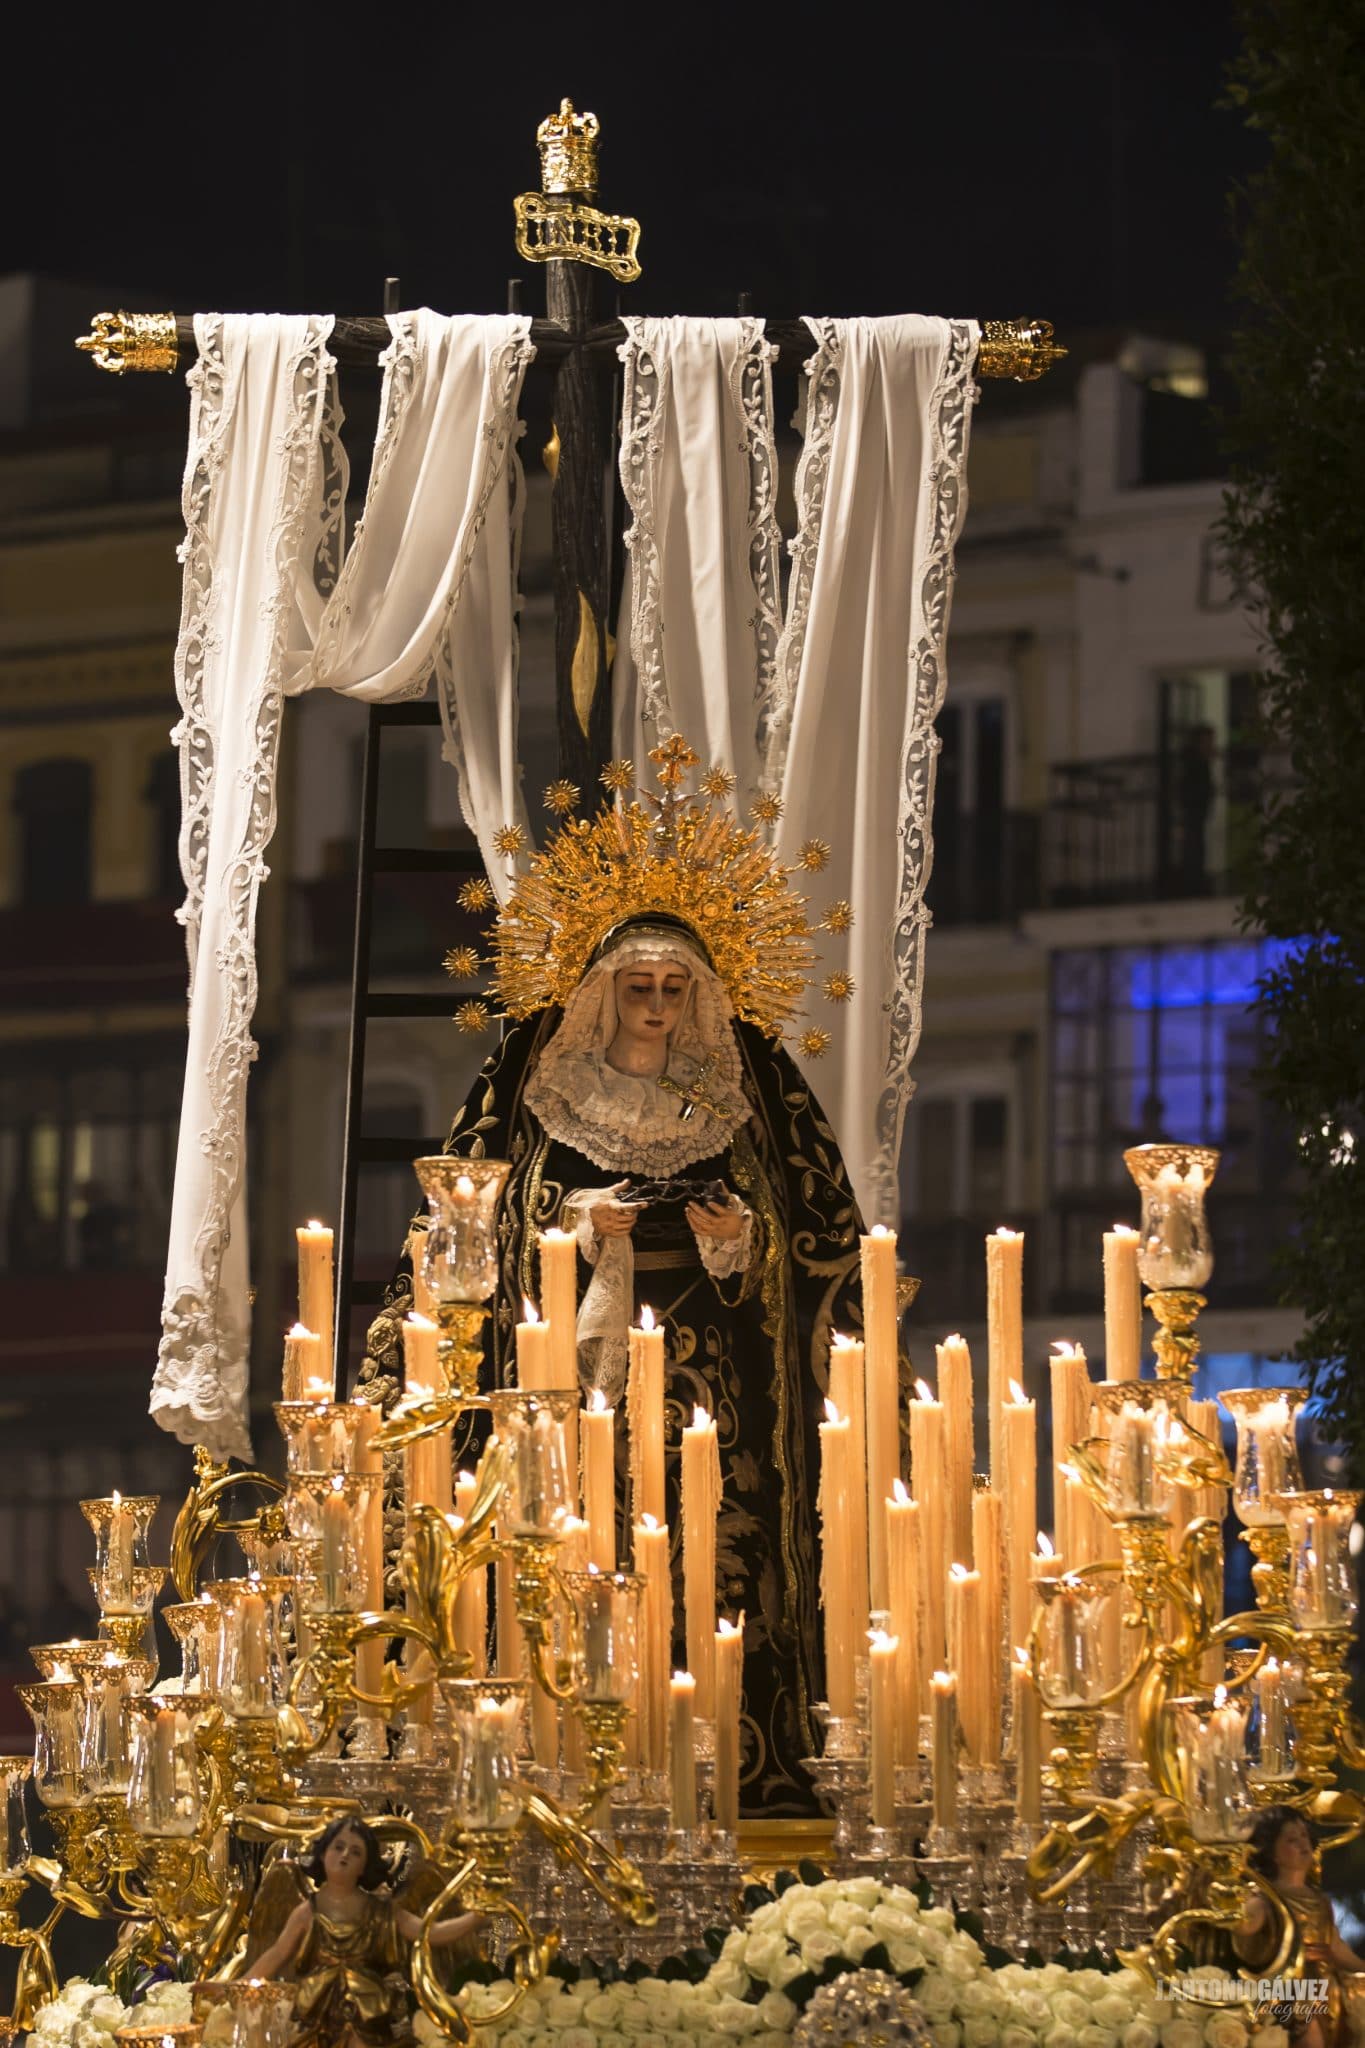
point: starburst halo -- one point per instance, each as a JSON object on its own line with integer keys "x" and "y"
{"x": 561, "y": 797}
{"x": 509, "y": 841}
{"x": 475, "y": 895}
{"x": 815, "y": 1043}
{"x": 462, "y": 963}
{"x": 839, "y": 987}
{"x": 473, "y": 1017}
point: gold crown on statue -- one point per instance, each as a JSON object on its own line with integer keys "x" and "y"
{"x": 679, "y": 856}
{"x": 568, "y": 151}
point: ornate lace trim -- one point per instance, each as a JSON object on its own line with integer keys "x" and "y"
{"x": 198, "y": 1393}
{"x": 823, "y": 372}
{"x": 619, "y": 1147}
{"x": 502, "y": 432}
{"x": 946, "y": 491}
{"x": 210, "y": 416}
{"x": 641, "y": 411}
{"x": 751, "y": 392}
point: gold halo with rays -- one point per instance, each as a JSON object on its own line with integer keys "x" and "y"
{"x": 681, "y": 856}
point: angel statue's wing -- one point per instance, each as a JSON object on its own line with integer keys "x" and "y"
{"x": 282, "y": 1887}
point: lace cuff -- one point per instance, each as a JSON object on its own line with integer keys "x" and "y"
{"x": 576, "y": 1215}
{"x": 723, "y": 1257}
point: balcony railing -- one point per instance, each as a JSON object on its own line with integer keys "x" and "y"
{"x": 1131, "y": 828}
{"x": 985, "y": 866}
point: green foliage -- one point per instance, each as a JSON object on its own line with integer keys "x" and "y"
{"x": 1295, "y": 537}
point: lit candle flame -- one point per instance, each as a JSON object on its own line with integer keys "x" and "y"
{"x": 597, "y": 1402}
{"x": 700, "y": 1419}
{"x": 923, "y": 1391}
{"x": 1021, "y": 1657}
{"x": 1018, "y": 1398}
{"x": 900, "y": 1492}
{"x": 841, "y": 1343}
{"x": 730, "y": 1628}
{"x": 1070, "y": 1471}
{"x": 313, "y": 1224}
{"x": 464, "y": 1188}
{"x": 958, "y": 1571}
{"x": 881, "y": 1639}
{"x": 648, "y": 1521}
{"x": 302, "y": 1330}
{"x": 1045, "y": 1546}
{"x": 646, "y": 1317}
{"x": 1003, "y": 1230}
{"x": 1063, "y": 1348}
{"x": 1220, "y": 1697}
{"x": 529, "y": 1312}
{"x": 882, "y": 1230}
{"x": 421, "y": 1322}
{"x": 831, "y": 1412}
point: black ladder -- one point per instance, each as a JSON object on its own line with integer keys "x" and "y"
{"x": 359, "y": 1150}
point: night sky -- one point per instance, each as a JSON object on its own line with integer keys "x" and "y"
{"x": 1057, "y": 159}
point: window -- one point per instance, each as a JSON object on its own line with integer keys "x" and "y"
{"x": 53, "y": 800}
{"x": 162, "y": 795}
{"x": 958, "y": 1150}
{"x": 87, "y": 1157}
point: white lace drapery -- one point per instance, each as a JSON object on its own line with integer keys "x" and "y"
{"x": 840, "y": 706}
{"x": 428, "y": 587}
{"x": 703, "y": 602}
{"x": 881, "y": 494}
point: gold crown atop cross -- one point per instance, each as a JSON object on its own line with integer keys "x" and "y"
{"x": 568, "y": 151}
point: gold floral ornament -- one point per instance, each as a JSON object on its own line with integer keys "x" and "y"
{"x": 462, "y": 963}
{"x": 815, "y": 1043}
{"x": 473, "y": 1017}
{"x": 717, "y": 782}
{"x": 766, "y": 809}
{"x": 838, "y": 918}
{"x": 814, "y": 855}
{"x": 561, "y": 798}
{"x": 672, "y": 854}
{"x": 839, "y": 987}
{"x": 475, "y": 895}
{"x": 509, "y": 841}
{"x": 618, "y": 776}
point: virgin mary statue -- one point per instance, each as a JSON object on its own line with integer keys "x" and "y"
{"x": 682, "y": 1145}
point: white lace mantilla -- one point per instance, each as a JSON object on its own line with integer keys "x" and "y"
{"x": 627, "y": 1123}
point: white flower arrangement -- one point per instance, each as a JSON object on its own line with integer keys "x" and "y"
{"x": 784, "y": 1947}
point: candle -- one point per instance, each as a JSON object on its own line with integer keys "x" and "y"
{"x": 943, "y": 1698}
{"x": 1071, "y": 1393}
{"x": 471, "y": 1601}
{"x": 656, "y": 1640}
{"x": 1004, "y": 1329}
{"x": 955, "y": 1392}
{"x": 1275, "y": 1761}
{"x": 251, "y": 1645}
{"x": 559, "y": 1304}
{"x": 1047, "y": 1561}
{"x": 336, "y": 1529}
{"x": 369, "y": 1464}
{"x": 1028, "y": 1743}
{"x": 1019, "y": 1435}
{"x": 1135, "y": 1486}
{"x": 315, "y": 1286}
{"x": 573, "y": 1557}
{"x": 533, "y": 1350}
{"x": 926, "y": 1476}
{"x": 700, "y": 1508}
{"x": 302, "y": 1365}
{"x": 682, "y": 1757}
{"x": 966, "y": 1648}
{"x": 729, "y": 1659}
{"x": 1122, "y": 1304}
{"x": 645, "y": 1418}
{"x": 848, "y": 1392}
{"x": 881, "y": 1407}
{"x": 988, "y": 1550}
{"x": 598, "y": 1448}
{"x": 836, "y": 1560}
{"x": 903, "y": 1572}
{"x": 882, "y": 1659}
{"x": 118, "y": 1578}
{"x": 161, "y": 1766}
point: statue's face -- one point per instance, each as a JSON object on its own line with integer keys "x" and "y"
{"x": 1293, "y": 1851}
{"x": 649, "y": 999}
{"x": 344, "y": 1859}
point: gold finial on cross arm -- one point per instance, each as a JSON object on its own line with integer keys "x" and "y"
{"x": 1021, "y": 349}
{"x": 131, "y": 341}
{"x": 568, "y": 151}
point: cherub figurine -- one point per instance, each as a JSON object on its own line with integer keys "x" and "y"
{"x": 1282, "y": 1850}
{"x": 346, "y": 1946}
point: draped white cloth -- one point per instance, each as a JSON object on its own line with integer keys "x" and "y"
{"x": 835, "y": 714}
{"x": 428, "y": 587}
{"x": 704, "y": 602}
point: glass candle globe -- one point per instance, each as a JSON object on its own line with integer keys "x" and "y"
{"x": 1267, "y": 1463}
{"x": 1323, "y": 1592}
{"x": 486, "y": 1716}
{"x": 1176, "y": 1250}
{"x": 605, "y": 1650}
{"x": 534, "y": 1428}
{"x": 460, "y": 1256}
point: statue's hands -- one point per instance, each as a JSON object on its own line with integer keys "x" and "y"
{"x": 613, "y": 1219}
{"x": 722, "y": 1220}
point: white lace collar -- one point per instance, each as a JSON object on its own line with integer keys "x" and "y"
{"x": 627, "y": 1123}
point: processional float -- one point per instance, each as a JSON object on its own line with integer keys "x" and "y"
{"x": 1073, "y": 1739}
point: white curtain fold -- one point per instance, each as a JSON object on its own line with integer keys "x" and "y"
{"x": 703, "y": 600}
{"x": 428, "y": 587}
{"x": 881, "y": 494}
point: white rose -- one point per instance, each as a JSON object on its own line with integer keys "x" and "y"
{"x": 1270, "y": 2037}
{"x": 733, "y": 1945}
{"x": 905, "y": 1955}
{"x": 981, "y": 1997}
{"x": 777, "y": 2011}
{"x": 863, "y": 1892}
{"x": 563, "y": 2009}
{"x": 761, "y": 1951}
{"x": 601, "y": 2009}
{"x": 807, "y": 1916}
{"x": 931, "y": 1939}
{"x": 766, "y": 1917}
{"x": 107, "y": 2012}
{"x": 843, "y": 1915}
{"x": 946, "y": 2034}
{"x": 828, "y": 1888}
{"x": 960, "y": 1963}
{"x": 1069, "y": 2010}
{"x": 727, "y": 1977}
{"x": 1098, "y": 2037}
{"x": 939, "y": 1918}
{"x": 1225, "y": 2030}
{"x": 85, "y": 2034}
{"x": 1181, "y": 2034}
{"x": 1140, "y": 2034}
{"x": 784, "y": 1970}
{"x": 937, "y": 1994}
{"x": 635, "y": 2020}
{"x": 1015, "y": 2036}
{"x": 1060, "y": 2037}
{"x": 1091, "y": 1984}
{"x": 735, "y": 2019}
{"x": 1113, "y": 2010}
{"x": 980, "y": 2032}
{"x": 888, "y": 1920}
{"x": 819, "y": 1949}
{"x": 857, "y": 1942}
